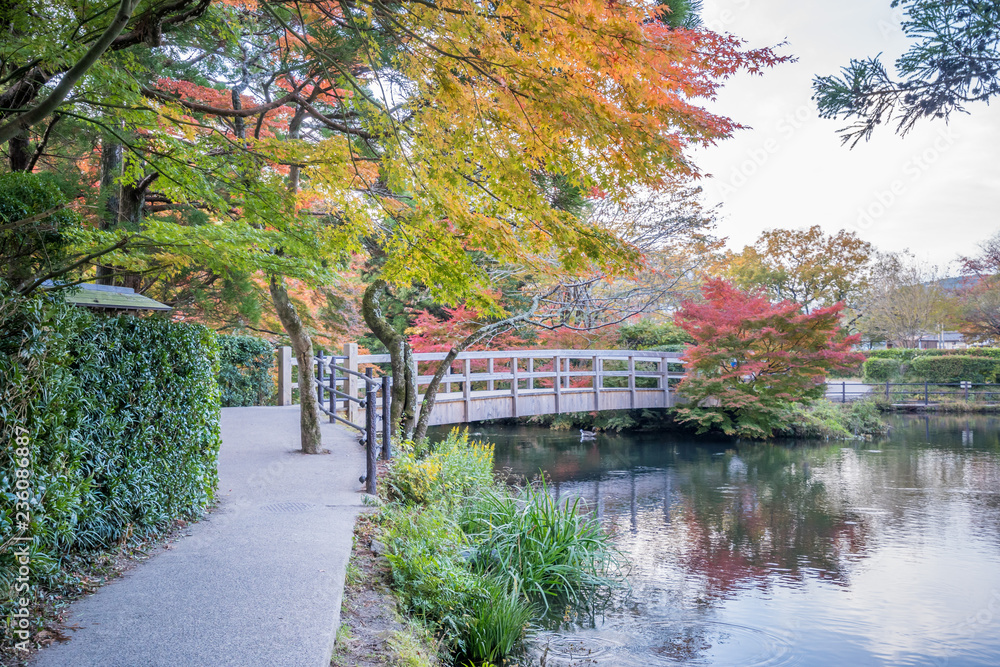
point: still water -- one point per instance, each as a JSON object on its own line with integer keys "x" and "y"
{"x": 884, "y": 552}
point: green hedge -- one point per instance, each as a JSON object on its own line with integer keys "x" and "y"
{"x": 881, "y": 370}
{"x": 976, "y": 364}
{"x": 119, "y": 426}
{"x": 955, "y": 368}
{"x": 245, "y": 371}
{"x": 906, "y": 354}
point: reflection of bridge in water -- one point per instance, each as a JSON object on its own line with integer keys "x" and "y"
{"x": 623, "y": 492}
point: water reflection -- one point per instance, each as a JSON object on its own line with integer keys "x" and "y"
{"x": 880, "y": 552}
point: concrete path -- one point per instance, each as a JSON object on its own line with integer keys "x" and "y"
{"x": 257, "y": 583}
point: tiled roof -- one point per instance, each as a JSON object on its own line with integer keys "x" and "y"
{"x": 107, "y": 296}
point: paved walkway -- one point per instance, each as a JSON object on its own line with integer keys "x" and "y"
{"x": 257, "y": 583}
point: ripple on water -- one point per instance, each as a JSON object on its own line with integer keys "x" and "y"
{"x": 669, "y": 643}
{"x": 717, "y": 643}
{"x": 575, "y": 649}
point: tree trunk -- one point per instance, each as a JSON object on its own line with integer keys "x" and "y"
{"x": 20, "y": 158}
{"x": 302, "y": 345}
{"x": 402, "y": 412}
{"x": 410, "y": 411}
{"x": 111, "y": 171}
{"x": 430, "y": 396}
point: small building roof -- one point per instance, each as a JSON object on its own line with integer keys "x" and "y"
{"x": 114, "y": 298}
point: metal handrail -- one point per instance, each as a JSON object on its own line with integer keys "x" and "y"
{"x": 329, "y": 387}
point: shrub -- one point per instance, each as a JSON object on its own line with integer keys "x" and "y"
{"x": 824, "y": 419}
{"x": 425, "y": 549}
{"x": 476, "y": 577}
{"x": 452, "y": 470}
{"x": 649, "y": 335}
{"x": 955, "y": 368}
{"x": 245, "y": 371}
{"x": 878, "y": 369}
{"x": 121, "y": 420}
{"x": 549, "y": 549}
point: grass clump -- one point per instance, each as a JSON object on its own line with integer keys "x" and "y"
{"x": 550, "y": 550}
{"x": 480, "y": 562}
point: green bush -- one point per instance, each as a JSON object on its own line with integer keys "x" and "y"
{"x": 954, "y": 368}
{"x": 472, "y": 559}
{"x": 550, "y": 550}
{"x": 445, "y": 475}
{"x": 119, "y": 418}
{"x": 245, "y": 371}
{"x": 498, "y": 622}
{"x": 649, "y": 335}
{"x": 827, "y": 420}
{"x": 878, "y": 369}
{"x": 909, "y": 354}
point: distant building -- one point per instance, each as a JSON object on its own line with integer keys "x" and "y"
{"x": 946, "y": 340}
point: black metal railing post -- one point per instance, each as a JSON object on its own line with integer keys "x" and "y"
{"x": 386, "y": 421}
{"x": 333, "y": 389}
{"x": 319, "y": 377}
{"x": 887, "y": 390}
{"x": 843, "y": 392}
{"x": 927, "y": 396}
{"x": 370, "y": 390}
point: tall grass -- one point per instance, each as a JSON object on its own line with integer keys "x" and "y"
{"x": 549, "y": 550}
{"x": 480, "y": 561}
{"x": 498, "y": 622}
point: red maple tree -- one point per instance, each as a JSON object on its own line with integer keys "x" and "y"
{"x": 753, "y": 358}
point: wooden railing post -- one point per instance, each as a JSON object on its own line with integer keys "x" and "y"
{"x": 370, "y": 444}
{"x": 333, "y": 389}
{"x": 284, "y": 375}
{"x": 513, "y": 386}
{"x": 598, "y": 381}
{"x": 531, "y": 369}
{"x": 467, "y": 390}
{"x": 631, "y": 381}
{"x": 665, "y": 381}
{"x": 351, "y": 382}
{"x": 557, "y": 381}
{"x": 490, "y": 384}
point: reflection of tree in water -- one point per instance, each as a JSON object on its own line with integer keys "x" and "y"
{"x": 703, "y": 522}
{"x": 761, "y": 511}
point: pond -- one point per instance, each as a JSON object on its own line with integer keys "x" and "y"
{"x": 884, "y": 552}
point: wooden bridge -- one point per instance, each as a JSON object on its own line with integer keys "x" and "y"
{"x": 508, "y": 383}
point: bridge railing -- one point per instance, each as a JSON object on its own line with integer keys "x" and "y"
{"x": 512, "y": 383}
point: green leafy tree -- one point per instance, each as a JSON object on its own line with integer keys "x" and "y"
{"x": 752, "y": 359}
{"x": 954, "y": 61}
{"x": 813, "y": 269}
{"x": 979, "y": 296}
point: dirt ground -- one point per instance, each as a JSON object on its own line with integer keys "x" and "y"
{"x": 372, "y": 632}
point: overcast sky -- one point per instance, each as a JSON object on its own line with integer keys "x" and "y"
{"x": 936, "y": 191}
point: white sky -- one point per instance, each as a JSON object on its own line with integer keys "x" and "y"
{"x": 936, "y": 191}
